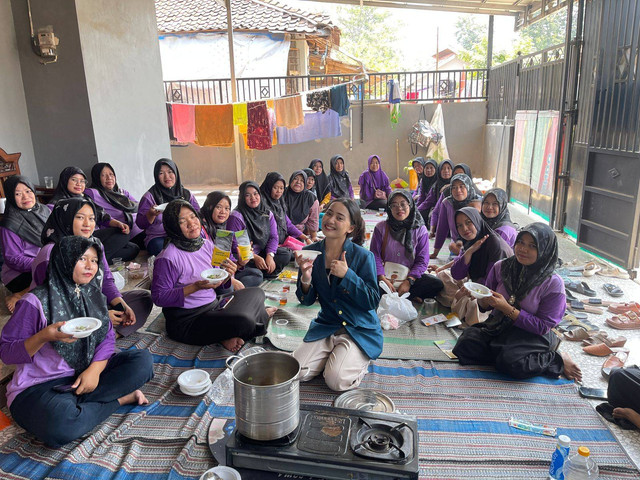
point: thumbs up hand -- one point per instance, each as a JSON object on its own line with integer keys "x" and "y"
{"x": 339, "y": 267}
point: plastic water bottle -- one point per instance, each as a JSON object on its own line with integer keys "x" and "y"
{"x": 558, "y": 458}
{"x": 222, "y": 388}
{"x": 580, "y": 466}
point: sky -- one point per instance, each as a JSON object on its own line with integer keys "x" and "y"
{"x": 418, "y": 37}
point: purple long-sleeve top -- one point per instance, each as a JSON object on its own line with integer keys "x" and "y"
{"x": 395, "y": 251}
{"x": 18, "y": 255}
{"x": 427, "y": 200}
{"x": 508, "y": 233}
{"x": 459, "y": 270}
{"x": 446, "y": 224}
{"x": 542, "y": 308}
{"x": 46, "y": 364}
{"x": 236, "y": 222}
{"x": 368, "y": 189}
{"x": 114, "y": 212}
{"x": 312, "y": 222}
{"x": 41, "y": 262}
{"x": 292, "y": 230}
{"x": 155, "y": 229}
{"x": 435, "y": 213}
{"x": 174, "y": 269}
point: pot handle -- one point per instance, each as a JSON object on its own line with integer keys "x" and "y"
{"x": 227, "y": 362}
{"x": 300, "y": 374}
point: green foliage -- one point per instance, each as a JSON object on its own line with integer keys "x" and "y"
{"x": 369, "y": 34}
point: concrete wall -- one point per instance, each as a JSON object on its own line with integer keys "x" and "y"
{"x": 464, "y": 125}
{"x": 124, "y": 83}
{"x": 15, "y": 134}
{"x": 56, "y": 94}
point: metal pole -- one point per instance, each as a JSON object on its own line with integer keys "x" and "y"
{"x": 234, "y": 92}
{"x": 490, "y": 44}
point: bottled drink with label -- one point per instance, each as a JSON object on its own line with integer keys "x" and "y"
{"x": 558, "y": 458}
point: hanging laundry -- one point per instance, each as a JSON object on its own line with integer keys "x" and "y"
{"x": 395, "y": 97}
{"x": 243, "y": 131}
{"x": 214, "y": 125}
{"x": 339, "y": 100}
{"x": 271, "y": 104}
{"x": 240, "y": 114}
{"x": 170, "y": 121}
{"x": 319, "y": 101}
{"x": 316, "y": 125}
{"x": 289, "y": 112}
{"x": 259, "y": 131}
{"x": 184, "y": 125}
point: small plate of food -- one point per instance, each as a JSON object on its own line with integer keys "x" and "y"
{"x": 214, "y": 275}
{"x": 477, "y": 290}
{"x": 81, "y": 327}
{"x": 161, "y": 207}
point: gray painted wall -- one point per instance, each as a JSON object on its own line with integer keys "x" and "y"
{"x": 464, "y": 125}
{"x": 124, "y": 81}
{"x": 15, "y": 134}
{"x": 56, "y": 94}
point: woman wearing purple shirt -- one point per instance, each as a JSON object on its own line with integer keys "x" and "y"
{"x": 167, "y": 187}
{"x": 64, "y": 386}
{"x": 496, "y": 213}
{"x": 404, "y": 239}
{"x": 339, "y": 181}
{"x": 303, "y": 208}
{"x": 374, "y": 185}
{"x": 20, "y": 231}
{"x": 195, "y": 315}
{"x": 429, "y": 198}
{"x": 528, "y": 301}
{"x": 252, "y": 215}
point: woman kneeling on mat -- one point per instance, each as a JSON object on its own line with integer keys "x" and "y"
{"x": 64, "y": 386}
{"x": 347, "y": 333}
{"x": 517, "y": 336}
{"x": 194, "y": 315}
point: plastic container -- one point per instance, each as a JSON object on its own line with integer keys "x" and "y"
{"x": 558, "y": 458}
{"x": 580, "y": 466}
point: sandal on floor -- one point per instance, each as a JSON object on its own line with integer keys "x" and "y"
{"x": 569, "y": 295}
{"x": 625, "y": 307}
{"x": 576, "y": 335}
{"x": 602, "y": 337}
{"x": 613, "y": 290}
{"x": 624, "y": 322}
{"x": 578, "y": 315}
{"x": 578, "y": 305}
{"x": 614, "y": 361}
{"x": 580, "y": 287}
{"x": 602, "y": 350}
{"x": 613, "y": 272}
{"x": 590, "y": 269}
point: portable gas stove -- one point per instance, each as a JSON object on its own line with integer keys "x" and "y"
{"x": 334, "y": 443}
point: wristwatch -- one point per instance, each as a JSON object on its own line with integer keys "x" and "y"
{"x": 271, "y": 254}
{"x": 411, "y": 280}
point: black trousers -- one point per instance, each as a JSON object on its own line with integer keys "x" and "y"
{"x": 516, "y": 352}
{"x": 624, "y": 388}
{"x": 375, "y": 204}
{"x": 116, "y": 244}
{"x": 427, "y": 286}
{"x": 244, "y": 316}
{"x": 281, "y": 258}
{"x": 19, "y": 283}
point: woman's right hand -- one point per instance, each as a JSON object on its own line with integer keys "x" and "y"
{"x": 259, "y": 261}
{"x": 474, "y": 248}
{"x": 306, "y": 267}
{"x": 389, "y": 284}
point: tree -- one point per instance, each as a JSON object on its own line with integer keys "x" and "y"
{"x": 543, "y": 34}
{"x": 369, "y": 34}
{"x": 472, "y": 38}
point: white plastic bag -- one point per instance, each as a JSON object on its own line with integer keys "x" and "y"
{"x": 396, "y": 305}
{"x": 118, "y": 280}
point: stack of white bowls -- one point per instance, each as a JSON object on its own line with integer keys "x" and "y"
{"x": 194, "y": 382}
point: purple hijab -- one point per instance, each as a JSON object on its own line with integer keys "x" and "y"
{"x": 378, "y": 180}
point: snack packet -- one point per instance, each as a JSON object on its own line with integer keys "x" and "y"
{"x": 222, "y": 247}
{"x": 244, "y": 245}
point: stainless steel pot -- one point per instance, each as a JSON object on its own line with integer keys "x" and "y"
{"x": 267, "y": 398}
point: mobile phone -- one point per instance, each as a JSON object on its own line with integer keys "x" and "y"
{"x": 118, "y": 307}
{"x": 227, "y": 301}
{"x": 596, "y": 393}
{"x": 64, "y": 388}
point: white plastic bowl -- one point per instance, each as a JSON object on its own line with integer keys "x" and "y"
{"x": 218, "y": 273}
{"x": 477, "y": 290}
{"x": 161, "y": 207}
{"x": 225, "y": 473}
{"x": 81, "y": 327}
{"x": 194, "y": 380}
{"x": 307, "y": 254}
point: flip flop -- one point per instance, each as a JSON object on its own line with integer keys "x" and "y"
{"x": 598, "y": 301}
{"x": 613, "y": 290}
{"x": 625, "y": 307}
{"x": 613, "y": 272}
{"x": 565, "y": 272}
{"x": 569, "y": 295}
{"x": 578, "y": 315}
{"x": 590, "y": 269}
{"x": 578, "y": 305}
{"x": 624, "y": 322}
{"x": 576, "y": 335}
{"x": 614, "y": 361}
{"x": 580, "y": 287}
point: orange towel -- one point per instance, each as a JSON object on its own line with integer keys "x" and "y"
{"x": 289, "y": 112}
{"x": 214, "y": 125}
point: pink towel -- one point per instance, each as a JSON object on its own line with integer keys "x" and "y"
{"x": 184, "y": 122}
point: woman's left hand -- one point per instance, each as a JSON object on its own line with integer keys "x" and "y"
{"x": 229, "y": 266}
{"x": 271, "y": 264}
{"x": 124, "y": 228}
{"x": 339, "y": 267}
{"x": 496, "y": 300}
{"x": 129, "y": 317}
{"x": 308, "y": 241}
{"x": 404, "y": 287}
{"x": 86, "y": 382}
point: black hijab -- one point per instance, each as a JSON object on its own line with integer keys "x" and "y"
{"x": 62, "y": 299}
{"x": 115, "y": 197}
{"x": 503, "y": 218}
{"x": 277, "y": 207}
{"x": 427, "y": 182}
{"x": 471, "y": 193}
{"x": 27, "y": 224}
{"x": 401, "y": 230}
{"x": 298, "y": 204}
{"x": 63, "y": 192}
{"x": 321, "y": 187}
{"x": 310, "y": 173}
{"x": 170, "y": 222}
{"x": 60, "y": 222}
{"x": 206, "y": 213}
{"x": 255, "y": 219}
{"x": 162, "y": 194}
{"x": 339, "y": 181}
{"x": 519, "y": 279}
{"x": 493, "y": 249}
{"x": 441, "y": 182}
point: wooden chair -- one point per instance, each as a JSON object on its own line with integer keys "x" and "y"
{"x": 8, "y": 167}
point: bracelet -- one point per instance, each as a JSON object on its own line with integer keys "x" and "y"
{"x": 306, "y": 284}
{"x": 513, "y": 309}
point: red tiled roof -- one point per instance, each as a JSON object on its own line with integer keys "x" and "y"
{"x": 176, "y": 16}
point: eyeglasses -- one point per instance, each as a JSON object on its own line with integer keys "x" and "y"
{"x": 402, "y": 205}
{"x": 78, "y": 181}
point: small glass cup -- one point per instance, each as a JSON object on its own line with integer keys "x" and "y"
{"x": 367, "y": 235}
{"x": 48, "y": 182}
{"x": 381, "y": 212}
{"x": 430, "y": 306}
{"x": 283, "y": 299}
{"x": 117, "y": 265}
{"x": 286, "y": 289}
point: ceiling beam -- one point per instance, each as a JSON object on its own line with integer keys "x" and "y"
{"x": 438, "y": 5}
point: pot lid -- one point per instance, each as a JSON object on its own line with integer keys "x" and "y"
{"x": 365, "y": 399}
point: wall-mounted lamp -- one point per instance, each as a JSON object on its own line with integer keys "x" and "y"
{"x": 45, "y": 43}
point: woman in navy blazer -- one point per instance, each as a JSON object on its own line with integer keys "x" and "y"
{"x": 346, "y": 335}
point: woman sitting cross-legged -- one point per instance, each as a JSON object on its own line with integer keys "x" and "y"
{"x": 374, "y": 185}
{"x": 403, "y": 240}
{"x": 482, "y": 249}
{"x": 98, "y": 381}
{"x": 528, "y": 301}
{"x": 346, "y": 334}
{"x": 193, "y": 312}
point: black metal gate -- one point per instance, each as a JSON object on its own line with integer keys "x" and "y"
{"x": 610, "y": 110}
